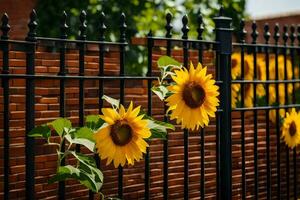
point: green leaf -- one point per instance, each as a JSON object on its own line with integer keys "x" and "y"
{"x": 85, "y": 133}
{"x": 82, "y": 141}
{"x": 113, "y": 102}
{"x": 156, "y": 133}
{"x": 87, "y": 160}
{"x": 158, "y": 129}
{"x": 94, "y": 122}
{"x": 65, "y": 172}
{"x": 40, "y": 131}
{"x": 167, "y": 61}
{"x": 90, "y": 175}
{"x": 160, "y": 124}
{"x": 60, "y": 124}
{"x": 161, "y": 91}
{"x": 88, "y": 181}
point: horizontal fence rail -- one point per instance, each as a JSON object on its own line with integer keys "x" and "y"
{"x": 239, "y": 156}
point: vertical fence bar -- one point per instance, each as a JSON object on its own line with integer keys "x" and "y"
{"x": 285, "y": 37}
{"x": 30, "y": 111}
{"x": 292, "y": 37}
{"x": 200, "y": 30}
{"x": 218, "y": 126}
{"x": 102, "y": 29}
{"x": 254, "y": 36}
{"x": 295, "y": 156}
{"x": 185, "y": 30}
{"x": 5, "y": 85}
{"x": 276, "y": 38}
{"x": 267, "y": 37}
{"x": 81, "y": 46}
{"x": 62, "y": 72}
{"x": 218, "y": 132}
{"x": 149, "y": 112}
{"x": 223, "y": 36}
{"x": 242, "y": 40}
{"x": 168, "y": 28}
{"x": 122, "y": 28}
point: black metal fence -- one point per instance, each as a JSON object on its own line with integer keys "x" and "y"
{"x": 223, "y": 50}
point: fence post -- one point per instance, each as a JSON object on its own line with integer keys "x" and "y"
{"x": 30, "y": 111}
{"x": 5, "y": 28}
{"x": 224, "y": 37}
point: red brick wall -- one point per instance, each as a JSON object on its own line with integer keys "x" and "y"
{"x": 47, "y": 108}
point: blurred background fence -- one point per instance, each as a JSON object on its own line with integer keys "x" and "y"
{"x": 238, "y": 156}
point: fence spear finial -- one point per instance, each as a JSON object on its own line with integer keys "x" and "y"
{"x": 31, "y": 36}
{"x": 102, "y": 27}
{"x": 285, "y": 35}
{"x": 276, "y": 33}
{"x": 200, "y": 28}
{"x": 64, "y": 26}
{"x": 221, "y": 11}
{"x": 5, "y": 27}
{"x": 83, "y": 26}
{"x": 298, "y": 33}
{"x": 254, "y": 33}
{"x": 150, "y": 33}
{"x": 185, "y": 29}
{"x": 169, "y": 26}
{"x": 293, "y": 34}
{"x": 266, "y": 33}
{"x": 242, "y": 31}
{"x": 123, "y": 27}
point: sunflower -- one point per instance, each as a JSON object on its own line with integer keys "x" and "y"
{"x": 272, "y": 100}
{"x": 194, "y": 97}
{"x": 249, "y": 95}
{"x": 235, "y": 65}
{"x": 281, "y": 70}
{"x": 280, "y": 77}
{"x": 248, "y": 67}
{"x": 298, "y": 149}
{"x": 122, "y": 139}
{"x": 272, "y": 115}
{"x": 291, "y": 129}
{"x": 272, "y": 93}
{"x": 234, "y": 94}
{"x": 297, "y": 85}
{"x": 261, "y": 75}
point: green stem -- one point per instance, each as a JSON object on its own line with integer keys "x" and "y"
{"x": 59, "y": 157}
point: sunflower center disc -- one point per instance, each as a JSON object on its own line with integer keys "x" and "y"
{"x": 193, "y": 95}
{"x": 234, "y": 63}
{"x": 247, "y": 68}
{"x": 121, "y": 133}
{"x": 292, "y": 129}
{"x": 247, "y": 87}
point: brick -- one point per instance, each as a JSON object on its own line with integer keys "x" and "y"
{"x": 41, "y": 69}
{"x": 19, "y": 55}
{"x": 48, "y": 100}
{"x": 18, "y": 82}
{"x": 17, "y": 63}
{"x": 17, "y": 98}
{"x": 50, "y": 62}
